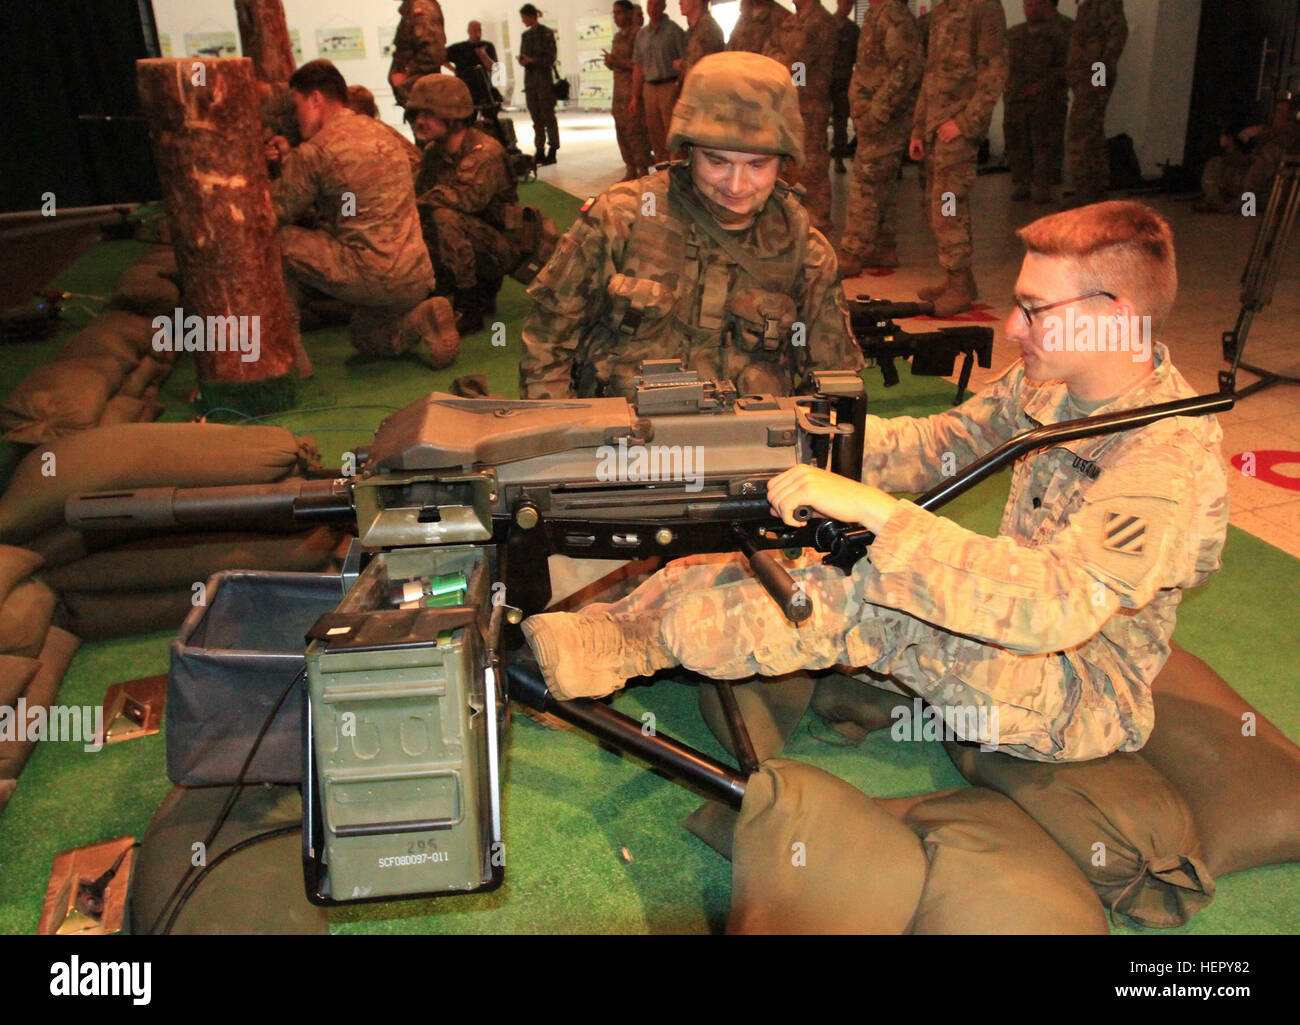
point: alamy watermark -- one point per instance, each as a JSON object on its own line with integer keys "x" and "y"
{"x": 80, "y": 724}
{"x": 921, "y": 722}
{"x": 640, "y": 463}
{"x": 179, "y": 333}
{"x": 1098, "y": 334}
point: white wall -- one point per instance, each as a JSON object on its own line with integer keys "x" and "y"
{"x": 1150, "y": 102}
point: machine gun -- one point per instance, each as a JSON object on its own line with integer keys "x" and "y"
{"x": 458, "y": 496}
{"x": 933, "y": 353}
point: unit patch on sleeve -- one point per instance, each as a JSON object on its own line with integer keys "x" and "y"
{"x": 1124, "y": 533}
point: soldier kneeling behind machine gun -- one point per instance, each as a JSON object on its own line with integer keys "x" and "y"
{"x": 458, "y": 496}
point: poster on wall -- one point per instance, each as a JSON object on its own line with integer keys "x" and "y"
{"x": 595, "y": 81}
{"x": 211, "y": 44}
{"x": 386, "y": 35}
{"x": 165, "y": 44}
{"x": 295, "y": 43}
{"x": 340, "y": 44}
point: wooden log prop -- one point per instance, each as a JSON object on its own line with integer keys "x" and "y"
{"x": 204, "y": 124}
{"x": 264, "y": 36}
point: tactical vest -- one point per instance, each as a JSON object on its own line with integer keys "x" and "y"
{"x": 686, "y": 290}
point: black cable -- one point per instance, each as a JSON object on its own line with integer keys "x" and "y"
{"x": 235, "y": 791}
{"x": 270, "y": 834}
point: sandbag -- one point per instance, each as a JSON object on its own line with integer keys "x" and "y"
{"x": 180, "y": 560}
{"x": 258, "y": 890}
{"x": 813, "y": 854}
{"x": 121, "y": 325}
{"x": 853, "y": 707}
{"x": 25, "y": 617}
{"x": 98, "y": 344}
{"x": 1238, "y": 772}
{"x": 149, "y": 371}
{"x": 993, "y": 870}
{"x": 16, "y": 672}
{"x": 141, "y": 455}
{"x": 141, "y": 289}
{"x": 121, "y": 409}
{"x": 16, "y": 565}
{"x": 163, "y": 258}
{"x": 60, "y": 398}
{"x": 99, "y": 616}
{"x": 55, "y": 657}
{"x": 1124, "y": 825}
{"x": 7, "y": 788}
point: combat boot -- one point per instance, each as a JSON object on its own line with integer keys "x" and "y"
{"x": 433, "y": 322}
{"x": 882, "y": 256}
{"x": 469, "y": 311}
{"x": 932, "y": 292}
{"x": 591, "y": 654}
{"x": 851, "y": 264}
{"x": 958, "y": 295}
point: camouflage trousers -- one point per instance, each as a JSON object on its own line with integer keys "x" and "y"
{"x": 1035, "y": 141}
{"x": 1085, "y": 143}
{"x": 465, "y": 249}
{"x": 314, "y": 260}
{"x": 949, "y": 177}
{"x": 656, "y": 105}
{"x": 815, "y": 175}
{"x": 716, "y": 619}
{"x": 633, "y": 139}
{"x": 872, "y": 217}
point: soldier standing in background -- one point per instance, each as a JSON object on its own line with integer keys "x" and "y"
{"x": 419, "y": 46}
{"x": 965, "y": 73}
{"x": 462, "y": 192}
{"x": 807, "y": 43}
{"x": 1096, "y": 42}
{"x": 537, "y": 55}
{"x": 846, "y": 50}
{"x": 757, "y": 28}
{"x": 703, "y": 35}
{"x": 655, "y": 54}
{"x": 1037, "y": 49}
{"x": 629, "y": 128}
{"x": 712, "y": 261}
{"x": 883, "y": 94}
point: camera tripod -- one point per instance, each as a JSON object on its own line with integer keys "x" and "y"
{"x": 1260, "y": 279}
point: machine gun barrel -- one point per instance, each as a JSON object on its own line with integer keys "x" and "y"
{"x": 880, "y": 311}
{"x": 282, "y": 506}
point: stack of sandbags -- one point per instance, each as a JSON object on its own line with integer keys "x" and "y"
{"x": 111, "y": 586}
{"x": 150, "y": 287}
{"x": 34, "y": 655}
{"x": 107, "y": 373}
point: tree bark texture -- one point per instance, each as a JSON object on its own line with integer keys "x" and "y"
{"x": 264, "y": 35}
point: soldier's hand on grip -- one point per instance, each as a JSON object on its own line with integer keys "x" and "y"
{"x": 831, "y": 495}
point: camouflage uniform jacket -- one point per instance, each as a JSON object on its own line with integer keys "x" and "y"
{"x": 1037, "y": 56}
{"x": 890, "y": 60}
{"x": 620, "y": 52}
{"x": 420, "y": 43}
{"x": 702, "y": 39}
{"x": 354, "y": 160}
{"x": 1099, "y": 34}
{"x": 625, "y": 285}
{"x": 475, "y": 179}
{"x": 965, "y": 68}
{"x": 809, "y": 38}
{"x": 757, "y": 32}
{"x": 846, "y": 50}
{"x": 539, "y": 45}
{"x": 1078, "y": 593}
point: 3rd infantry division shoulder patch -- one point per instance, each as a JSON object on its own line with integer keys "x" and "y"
{"x": 1124, "y": 533}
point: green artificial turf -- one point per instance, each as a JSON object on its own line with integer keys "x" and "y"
{"x": 570, "y": 806}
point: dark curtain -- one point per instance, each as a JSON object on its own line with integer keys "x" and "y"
{"x": 71, "y": 114}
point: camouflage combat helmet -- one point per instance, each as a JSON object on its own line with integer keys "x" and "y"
{"x": 443, "y": 96}
{"x": 739, "y": 101}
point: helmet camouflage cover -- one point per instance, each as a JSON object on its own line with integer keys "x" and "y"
{"x": 443, "y": 96}
{"x": 739, "y": 101}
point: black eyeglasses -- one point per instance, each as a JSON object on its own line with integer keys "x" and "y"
{"x": 1028, "y": 311}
